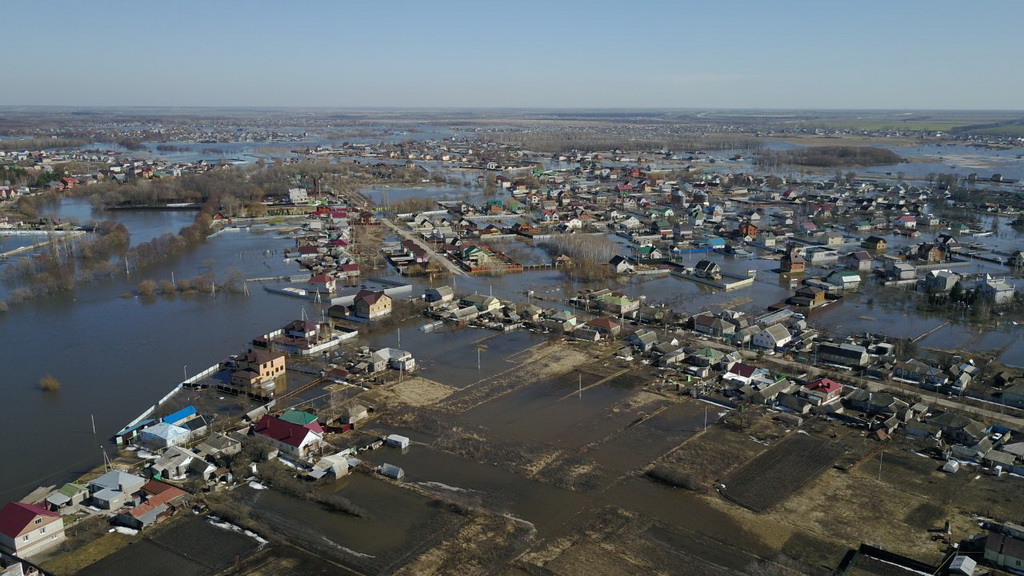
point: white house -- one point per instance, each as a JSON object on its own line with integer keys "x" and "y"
{"x": 996, "y": 291}
{"x": 163, "y": 435}
{"x": 771, "y": 337}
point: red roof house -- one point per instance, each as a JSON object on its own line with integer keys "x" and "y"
{"x": 292, "y": 439}
{"x": 823, "y": 390}
{"x": 27, "y": 529}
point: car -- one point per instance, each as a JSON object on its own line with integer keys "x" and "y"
{"x": 997, "y": 437}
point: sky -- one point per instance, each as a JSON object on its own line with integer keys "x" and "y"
{"x": 823, "y": 54}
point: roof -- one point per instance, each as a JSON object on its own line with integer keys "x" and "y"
{"x": 741, "y": 369}
{"x": 287, "y": 432}
{"x": 165, "y": 431}
{"x": 115, "y": 479}
{"x": 16, "y": 516}
{"x": 180, "y": 415}
{"x": 298, "y": 417}
{"x": 370, "y": 296}
{"x": 825, "y": 386}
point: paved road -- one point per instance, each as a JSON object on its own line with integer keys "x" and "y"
{"x": 430, "y": 250}
{"x": 986, "y": 415}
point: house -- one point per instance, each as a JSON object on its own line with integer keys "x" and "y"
{"x": 481, "y": 302}
{"x": 354, "y": 414}
{"x": 181, "y": 416}
{"x": 27, "y": 529}
{"x": 159, "y": 501}
{"x": 708, "y": 269}
{"x": 617, "y": 303}
{"x": 771, "y": 337}
{"x": 322, "y": 283}
{"x": 959, "y": 428}
{"x": 164, "y": 435}
{"x": 257, "y": 367}
{"x": 333, "y": 466}
{"x": 918, "y": 372}
{"x": 371, "y": 304}
{"x": 397, "y": 359}
{"x": 818, "y": 256}
{"x": 929, "y": 253}
{"x": 440, "y": 295}
{"x": 620, "y": 265}
{"x": 809, "y": 296}
{"x": 907, "y": 222}
{"x": 299, "y": 417}
{"x": 843, "y": 354}
{"x": 114, "y": 489}
{"x": 997, "y": 292}
{"x": 844, "y": 279}
{"x": 605, "y": 326}
{"x": 1005, "y": 548}
{"x": 793, "y": 260}
{"x": 876, "y": 243}
{"x": 859, "y": 261}
{"x": 940, "y": 281}
{"x": 218, "y": 445}
{"x": 303, "y": 329}
{"x": 822, "y": 391}
{"x": 643, "y": 339}
{"x": 292, "y": 439}
{"x": 67, "y": 498}
{"x": 900, "y": 271}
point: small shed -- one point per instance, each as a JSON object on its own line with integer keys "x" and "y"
{"x": 963, "y": 565}
{"x": 396, "y": 441}
{"x": 951, "y": 466}
{"x": 391, "y": 471}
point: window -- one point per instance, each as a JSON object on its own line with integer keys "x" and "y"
{"x": 24, "y": 538}
{"x": 39, "y": 520}
{"x": 42, "y": 530}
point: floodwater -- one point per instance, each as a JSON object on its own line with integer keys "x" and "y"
{"x": 396, "y": 523}
{"x": 116, "y": 354}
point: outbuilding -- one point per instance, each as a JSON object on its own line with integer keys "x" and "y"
{"x": 396, "y": 441}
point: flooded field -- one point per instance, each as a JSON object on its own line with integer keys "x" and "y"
{"x": 398, "y": 523}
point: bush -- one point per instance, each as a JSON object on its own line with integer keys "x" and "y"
{"x": 49, "y": 383}
{"x": 677, "y": 478}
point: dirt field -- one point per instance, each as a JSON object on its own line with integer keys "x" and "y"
{"x": 277, "y": 560}
{"x": 539, "y": 362}
{"x": 780, "y": 471}
{"x": 416, "y": 392}
{"x": 187, "y": 546}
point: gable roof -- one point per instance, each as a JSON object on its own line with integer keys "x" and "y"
{"x": 16, "y": 516}
{"x": 184, "y": 413}
{"x": 287, "y": 432}
{"x": 369, "y": 296}
{"x": 824, "y": 385}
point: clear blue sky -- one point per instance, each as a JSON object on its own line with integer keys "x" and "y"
{"x": 893, "y": 54}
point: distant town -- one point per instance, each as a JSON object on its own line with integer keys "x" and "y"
{"x": 532, "y": 344}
